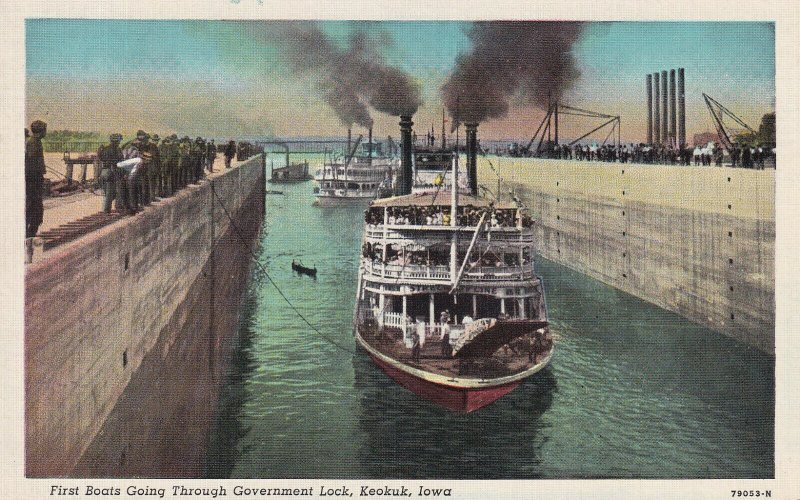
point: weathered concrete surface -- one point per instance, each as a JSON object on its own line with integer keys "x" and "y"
{"x": 127, "y": 331}
{"x": 698, "y": 241}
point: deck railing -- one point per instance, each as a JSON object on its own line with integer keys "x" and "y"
{"x": 442, "y": 273}
{"x": 433, "y": 331}
{"x": 401, "y": 232}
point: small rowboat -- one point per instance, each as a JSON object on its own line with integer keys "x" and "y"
{"x": 301, "y": 269}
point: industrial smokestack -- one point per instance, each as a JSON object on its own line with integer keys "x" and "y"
{"x": 656, "y": 111}
{"x": 472, "y": 157}
{"x": 406, "y": 172}
{"x": 664, "y": 111}
{"x": 649, "y": 88}
{"x": 672, "y": 117}
{"x": 681, "y": 110}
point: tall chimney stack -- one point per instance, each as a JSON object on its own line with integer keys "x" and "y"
{"x": 664, "y": 111}
{"x": 672, "y": 108}
{"x": 657, "y": 110}
{"x": 649, "y": 88}
{"x": 472, "y": 157}
{"x": 681, "y": 110}
{"x": 349, "y": 139}
{"x": 406, "y": 169}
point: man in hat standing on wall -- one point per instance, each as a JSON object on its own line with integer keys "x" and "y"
{"x": 211, "y": 155}
{"x": 230, "y": 152}
{"x": 136, "y": 149}
{"x": 169, "y": 159}
{"x": 145, "y": 196}
{"x": 198, "y": 153}
{"x": 154, "y": 169}
{"x": 108, "y": 156}
{"x": 34, "y": 184}
{"x": 185, "y": 162}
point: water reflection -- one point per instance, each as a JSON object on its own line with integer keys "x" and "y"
{"x": 633, "y": 391}
{"x": 224, "y": 446}
{"x": 408, "y": 437}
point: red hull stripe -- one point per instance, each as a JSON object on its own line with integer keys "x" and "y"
{"x": 452, "y": 398}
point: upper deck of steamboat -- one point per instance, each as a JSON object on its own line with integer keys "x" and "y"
{"x": 427, "y": 215}
{"x": 378, "y": 170}
{"x": 409, "y": 239}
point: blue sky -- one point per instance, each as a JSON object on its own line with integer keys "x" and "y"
{"x": 102, "y": 65}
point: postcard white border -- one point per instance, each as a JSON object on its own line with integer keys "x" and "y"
{"x": 786, "y": 15}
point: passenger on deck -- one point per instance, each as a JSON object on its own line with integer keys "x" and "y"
{"x": 416, "y": 347}
{"x": 447, "y": 349}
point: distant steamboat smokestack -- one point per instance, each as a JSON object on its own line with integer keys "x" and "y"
{"x": 472, "y": 157}
{"x": 406, "y": 173}
{"x": 369, "y": 150}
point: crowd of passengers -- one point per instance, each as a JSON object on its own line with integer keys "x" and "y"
{"x": 468, "y": 215}
{"x": 395, "y": 256}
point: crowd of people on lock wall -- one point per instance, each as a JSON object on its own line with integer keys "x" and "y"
{"x": 132, "y": 175}
{"x": 744, "y": 156}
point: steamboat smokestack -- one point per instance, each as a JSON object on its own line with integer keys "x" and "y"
{"x": 472, "y": 157}
{"x": 555, "y": 132}
{"x": 681, "y": 110}
{"x": 369, "y": 148}
{"x": 656, "y": 111}
{"x": 444, "y": 139}
{"x": 406, "y": 173}
{"x": 649, "y": 87}
{"x": 349, "y": 139}
{"x": 672, "y": 117}
{"x": 664, "y": 112}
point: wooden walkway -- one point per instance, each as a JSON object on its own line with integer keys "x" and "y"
{"x": 75, "y": 229}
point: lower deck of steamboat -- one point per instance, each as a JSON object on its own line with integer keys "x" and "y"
{"x": 522, "y": 353}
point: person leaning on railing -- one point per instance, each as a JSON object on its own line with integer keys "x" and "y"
{"x": 133, "y": 150}
{"x": 110, "y": 175}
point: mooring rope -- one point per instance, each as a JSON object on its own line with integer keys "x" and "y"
{"x": 243, "y": 240}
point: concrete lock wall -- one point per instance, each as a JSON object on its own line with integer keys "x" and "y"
{"x": 128, "y": 329}
{"x": 698, "y": 241}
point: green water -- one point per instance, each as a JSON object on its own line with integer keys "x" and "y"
{"x": 632, "y": 392}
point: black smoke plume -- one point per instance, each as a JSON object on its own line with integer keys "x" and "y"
{"x": 530, "y": 60}
{"x": 352, "y": 79}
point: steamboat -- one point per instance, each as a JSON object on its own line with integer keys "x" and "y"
{"x": 290, "y": 173}
{"x": 361, "y": 176}
{"x": 448, "y": 304}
